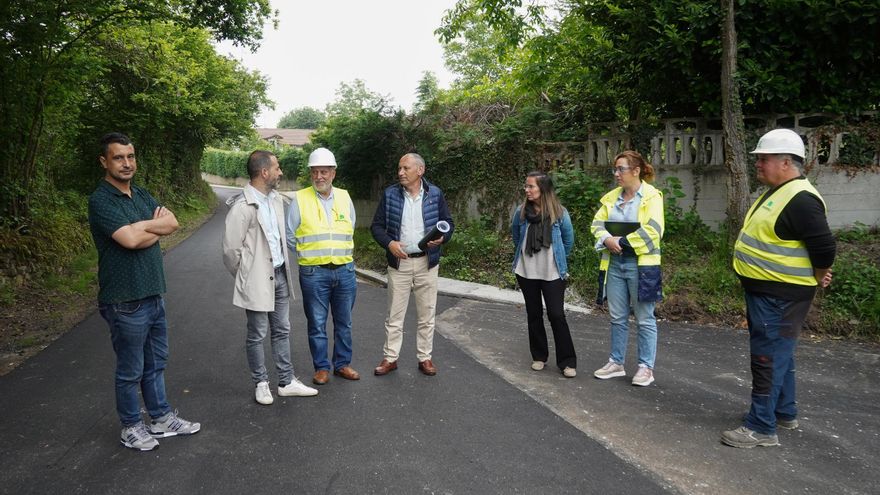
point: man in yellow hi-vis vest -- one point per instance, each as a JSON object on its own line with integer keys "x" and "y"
{"x": 784, "y": 251}
{"x": 320, "y": 228}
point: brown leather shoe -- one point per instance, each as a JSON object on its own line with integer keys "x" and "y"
{"x": 427, "y": 368}
{"x": 321, "y": 377}
{"x": 385, "y": 367}
{"x": 348, "y": 373}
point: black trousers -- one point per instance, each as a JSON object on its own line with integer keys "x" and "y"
{"x": 553, "y": 293}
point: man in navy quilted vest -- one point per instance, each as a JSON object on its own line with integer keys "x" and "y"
{"x": 407, "y": 212}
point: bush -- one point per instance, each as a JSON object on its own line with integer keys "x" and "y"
{"x": 478, "y": 253}
{"x": 233, "y": 164}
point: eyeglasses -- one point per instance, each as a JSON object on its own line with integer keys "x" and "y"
{"x": 620, "y": 170}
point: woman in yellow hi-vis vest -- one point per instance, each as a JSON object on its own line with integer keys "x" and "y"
{"x": 784, "y": 251}
{"x": 628, "y": 228}
{"x": 320, "y": 227}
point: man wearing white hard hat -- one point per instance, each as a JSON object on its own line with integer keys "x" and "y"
{"x": 320, "y": 228}
{"x": 784, "y": 251}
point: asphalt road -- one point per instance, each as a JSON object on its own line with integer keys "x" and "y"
{"x": 485, "y": 424}
{"x": 466, "y": 430}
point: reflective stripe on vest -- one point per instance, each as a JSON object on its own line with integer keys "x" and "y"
{"x": 652, "y": 257}
{"x": 320, "y": 240}
{"x": 760, "y": 254}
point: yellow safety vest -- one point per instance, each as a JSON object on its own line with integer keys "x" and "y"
{"x": 321, "y": 240}
{"x": 646, "y": 240}
{"x": 760, "y": 254}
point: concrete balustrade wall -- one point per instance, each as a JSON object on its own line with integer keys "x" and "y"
{"x": 692, "y": 150}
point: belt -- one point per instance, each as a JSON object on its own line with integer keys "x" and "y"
{"x": 331, "y": 266}
{"x": 415, "y": 255}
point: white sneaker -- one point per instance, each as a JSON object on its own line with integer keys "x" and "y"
{"x": 610, "y": 370}
{"x": 296, "y": 388}
{"x": 569, "y": 372}
{"x": 537, "y": 365}
{"x": 644, "y": 376}
{"x": 263, "y": 394}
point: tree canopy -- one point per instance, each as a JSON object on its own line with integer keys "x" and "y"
{"x": 55, "y": 59}
{"x": 302, "y": 118}
{"x": 630, "y": 59}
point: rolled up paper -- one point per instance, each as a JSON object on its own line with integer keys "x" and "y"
{"x": 441, "y": 228}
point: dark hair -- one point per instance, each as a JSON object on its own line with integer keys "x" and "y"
{"x": 113, "y": 137}
{"x": 258, "y": 160}
{"x": 646, "y": 171}
{"x": 548, "y": 203}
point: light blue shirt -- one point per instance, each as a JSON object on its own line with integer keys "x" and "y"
{"x": 269, "y": 218}
{"x": 294, "y": 218}
{"x": 623, "y": 211}
{"x": 412, "y": 223}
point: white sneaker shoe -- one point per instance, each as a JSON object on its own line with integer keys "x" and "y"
{"x": 610, "y": 370}
{"x": 537, "y": 365}
{"x": 644, "y": 376}
{"x": 263, "y": 394}
{"x": 296, "y": 388}
{"x": 569, "y": 372}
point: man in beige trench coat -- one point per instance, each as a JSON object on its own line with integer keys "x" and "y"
{"x": 255, "y": 253}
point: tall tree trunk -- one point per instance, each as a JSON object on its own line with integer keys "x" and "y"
{"x": 735, "y": 158}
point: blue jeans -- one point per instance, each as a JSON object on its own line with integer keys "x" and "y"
{"x": 774, "y": 327}
{"x": 259, "y": 323}
{"x": 622, "y": 289}
{"x": 140, "y": 338}
{"x": 326, "y": 290}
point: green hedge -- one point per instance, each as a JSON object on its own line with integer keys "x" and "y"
{"x": 232, "y": 164}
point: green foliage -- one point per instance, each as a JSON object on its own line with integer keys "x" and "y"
{"x": 302, "y": 118}
{"x": 367, "y": 253}
{"x": 367, "y": 148}
{"x": 636, "y": 59}
{"x": 354, "y": 98}
{"x": 580, "y": 192}
{"x": 56, "y": 71}
{"x": 426, "y": 91}
{"x": 478, "y": 253}
{"x": 223, "y": 163}
{"x": 851, "y": 304}
{"x": 232, "y": 164}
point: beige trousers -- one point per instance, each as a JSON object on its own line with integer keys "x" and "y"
{"x": 413, "y": 276}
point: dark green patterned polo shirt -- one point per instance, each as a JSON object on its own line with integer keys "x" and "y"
{"x": 124, "y": 274}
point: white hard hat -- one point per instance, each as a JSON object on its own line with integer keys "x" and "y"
{"x": 322, "y": 157}
{"x": 781, "y": 142}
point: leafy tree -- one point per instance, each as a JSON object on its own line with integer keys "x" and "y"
{"x": 47, "y": 57}
{"x": 354, "y": 97}
{"x": 426, "y": 91}
{"x": 302, "y": 118}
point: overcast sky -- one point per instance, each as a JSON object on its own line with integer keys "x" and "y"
{"x": 321, "y": 43}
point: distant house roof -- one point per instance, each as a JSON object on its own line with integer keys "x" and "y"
{"x": 290, "y": 137}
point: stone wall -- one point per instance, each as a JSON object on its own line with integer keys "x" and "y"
{"x": 691, "y": 149}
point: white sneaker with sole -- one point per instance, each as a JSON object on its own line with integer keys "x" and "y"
{"x": 610, "y": 370}
{"x": 296, "y": 388}
{"x": 569, "y": 372}
{"x": 644, "y": 377}
{"x": 537, "y": 365}
{"x": 263, "y": 394}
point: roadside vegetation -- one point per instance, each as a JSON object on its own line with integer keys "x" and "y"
{"x": 700, "y": 285}
{"x": 526, "y": 78}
